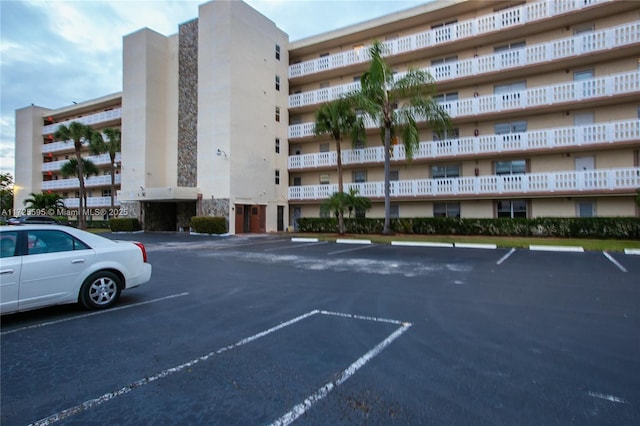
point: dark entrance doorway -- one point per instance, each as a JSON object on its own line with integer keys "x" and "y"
{"x": 251, "y": 218}
{"x": 168, "y": 216}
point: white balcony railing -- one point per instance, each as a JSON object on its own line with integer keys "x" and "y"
{"x": 92, "y": 202}
{"x": 612, "y": 85}
{"x": 90, "y": 120}
{"x": 527, "y": 56}
{"x": 573, "y": 182}
{"x": 602, "y": 133}
{"x": 57, "y": 146}
{"x": 526, "y": 14}
{"x": 98, "y": 160}
{"x": 104, "y": 180}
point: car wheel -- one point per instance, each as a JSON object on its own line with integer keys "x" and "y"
{"x": 100, "y": 290}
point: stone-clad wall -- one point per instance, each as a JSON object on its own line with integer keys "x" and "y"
{"x": 188, "y": 104}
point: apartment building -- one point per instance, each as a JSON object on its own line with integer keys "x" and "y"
{"x": 544, "y": 98}
{"x": 218, "y": 119}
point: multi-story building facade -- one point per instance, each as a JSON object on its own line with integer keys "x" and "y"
{"x": 544, "y": 98}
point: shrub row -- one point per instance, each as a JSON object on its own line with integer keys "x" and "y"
{"x": 209, "y": 225}
{"x": 124, "y": 224}
{"x": 584, "y": 227}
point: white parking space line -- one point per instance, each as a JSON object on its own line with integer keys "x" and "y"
{"x": 297, "y": 245}
{"x": 301, "y": 408}
{"x": 253, "y": 243}
{"x": 106, "y": 311}
{"x": 506, "y": 256}
{"x": 331, "y": 253}
{"x": 615, "y": 262}
{"x": 289, "y": 417}
{"x": 610, "y": 398}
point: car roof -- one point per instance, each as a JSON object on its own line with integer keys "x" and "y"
{"x": 87, "y": 237}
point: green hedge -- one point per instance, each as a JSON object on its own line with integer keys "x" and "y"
{"x": 124, "y": 224}
{"x": 209, "y": 225}
{"x": 587, "y": 227}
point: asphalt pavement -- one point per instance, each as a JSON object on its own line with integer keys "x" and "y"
{"x": 259, "y": 330}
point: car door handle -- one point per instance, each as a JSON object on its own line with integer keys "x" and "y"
{"x": 7, "y": 271}
{"x": 77, "y": 261}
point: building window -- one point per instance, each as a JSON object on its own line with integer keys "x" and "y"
{"x": 585, "y": 209}
{"x": 278, "y": 83}
{"x": 450, "y": 209}
{"x": 359, "y": 176}
{"x": 513, "y": 167}
{"x": 512, "y": 208}
{"x": 278, "y": 52}
{"x": 106, "y": 193}
{"x": 324, "y": 179}
{"x": 394, "y": 175}
{"x": 446, "y": 98}
{"x": 297, "y": 181}
{"x": 446, "y": 135}
{"x": 277, "y": 145}
{"x": 278, "y": 114}
{"x": 441, "y": 171}
{"x": 277, "y": 177}
{"x": 324, "y": 147}
{"x": 394, "y": 211}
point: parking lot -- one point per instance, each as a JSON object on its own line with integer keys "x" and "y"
{"x": 265, "y": 330}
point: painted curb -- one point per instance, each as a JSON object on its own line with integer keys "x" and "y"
{"x": 476, "y": 246}
{"x": 632, "y": 251}
{"x": 304, "y": 240}
{"x": 572, "y": 249}
{"x": 420, "y": 244}
{"x": 347, "y": 241}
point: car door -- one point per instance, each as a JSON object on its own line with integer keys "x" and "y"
{"x": 10, "y": 267}
{"x": 52, "y": 269}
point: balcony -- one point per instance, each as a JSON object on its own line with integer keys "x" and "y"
{"x": 92, "y": 202}
{"x": 74, "y": 183}
{"x": 98, "y": 160}
{"x": 533, "y": 184}
{"x": 90, "y": 120}
{"x": 517, "y": 16}
{"x": 574, "y": 91}
{"x": 593, "y": 43}
{"x": 565, "y": 137}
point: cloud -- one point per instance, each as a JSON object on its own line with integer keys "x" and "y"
{"x": 58, "y": 51}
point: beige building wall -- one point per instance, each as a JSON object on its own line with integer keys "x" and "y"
{"x": 237, "y": 103}
{"x": 146, "y": 122}
{"x": 28, "y": 158}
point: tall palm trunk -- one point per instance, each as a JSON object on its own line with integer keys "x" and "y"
{"x": 340, "y": 186}
{"x": 81, "y": 198}
{"x": 112, "y": 156}
{"x": 387, "y": 184}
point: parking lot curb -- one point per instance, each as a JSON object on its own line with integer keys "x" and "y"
{"x": 632, "y": 251}
{"x": 304, "y": 240}
{"x": 476, "y": 246}
{"x": 350, "y": 241}
{"x": 420, "y": 244}
{"x": 571, "y": 249}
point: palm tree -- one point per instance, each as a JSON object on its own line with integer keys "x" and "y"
{"x": 397, "y": 105}
{"x": 71, "y": 168}
{"x": 80, "y": 134}
{"x": 339, "y": 118}
{"x": 112, "y": 146}
{"x": 44, "y": 201}
{"x": 339, "y": 202}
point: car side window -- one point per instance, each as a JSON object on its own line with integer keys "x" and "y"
{"x": 8, "y": 243}
{"x": 45, "y": 241}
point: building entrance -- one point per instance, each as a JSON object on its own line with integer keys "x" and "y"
{"x": 251, "y": 218}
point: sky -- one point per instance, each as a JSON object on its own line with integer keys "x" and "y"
{"x": 56, "y": 52}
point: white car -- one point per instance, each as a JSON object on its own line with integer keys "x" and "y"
{"x": 43, "y": 265}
